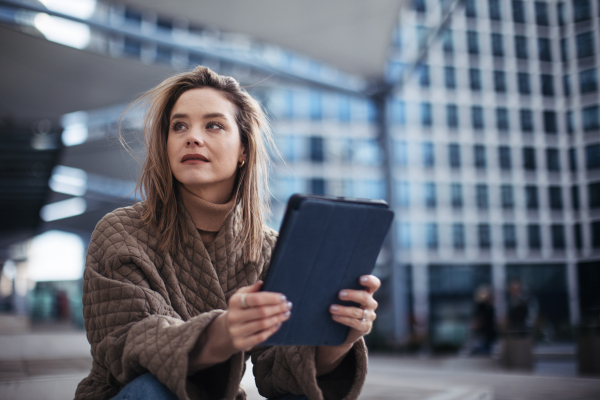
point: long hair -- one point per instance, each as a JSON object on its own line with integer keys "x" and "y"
{"x": 157, "y": 185}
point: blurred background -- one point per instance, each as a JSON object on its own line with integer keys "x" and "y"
{"x": 477, "y": 120}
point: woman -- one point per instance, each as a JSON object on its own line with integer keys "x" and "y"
{"x": 171, "y": 288}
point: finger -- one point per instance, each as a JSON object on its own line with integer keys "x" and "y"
{"x": 251, "y": 289}
{"x": 253, "y": 313}
{"x": 353, "y": 312}
{"x": 360, "y": 326}
{"x": 264, "y": 299}
{"x": 371, "y": 282}
{"x": 361, "y": 297}
{"x": 258, "y": 325}
{"x": 247, "y": 343}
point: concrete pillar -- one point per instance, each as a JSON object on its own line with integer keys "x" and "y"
{"x": 573, "y": 293}
{"x": 421, "y": 296}
{"x": 499, "y": 289}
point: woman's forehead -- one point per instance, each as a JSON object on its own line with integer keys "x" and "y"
{"x": 204, "y": 101}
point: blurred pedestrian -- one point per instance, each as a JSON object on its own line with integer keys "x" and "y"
{"x": 518, "y": 309}
{"x": 484, "y": 322}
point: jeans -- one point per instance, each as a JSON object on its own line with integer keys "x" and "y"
{"x": 148, "y": 387}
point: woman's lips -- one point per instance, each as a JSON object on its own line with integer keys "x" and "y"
{"x": 193, "y": 159}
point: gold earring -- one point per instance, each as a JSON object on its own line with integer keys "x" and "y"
{"x": 242, "y": 163}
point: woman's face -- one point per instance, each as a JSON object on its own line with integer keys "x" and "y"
{"x": 204, "y": 145}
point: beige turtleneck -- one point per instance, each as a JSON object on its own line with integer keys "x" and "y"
{"x": 208, "y": 217}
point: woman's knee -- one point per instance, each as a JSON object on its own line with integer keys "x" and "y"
{"x": 145, "y": 386}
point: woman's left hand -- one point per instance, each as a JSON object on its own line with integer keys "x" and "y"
{"x": 359, "y": 319}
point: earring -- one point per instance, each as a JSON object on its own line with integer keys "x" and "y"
{"x": 242, "y": 163}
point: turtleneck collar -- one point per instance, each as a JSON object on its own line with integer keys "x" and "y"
{"x": 207, "y": 217}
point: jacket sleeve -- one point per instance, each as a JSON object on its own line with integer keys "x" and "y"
{"x": 291, "y": 369}
{"x": 129, "y": 320}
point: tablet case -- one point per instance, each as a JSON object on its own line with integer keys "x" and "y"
{"x": 325, "y": 244}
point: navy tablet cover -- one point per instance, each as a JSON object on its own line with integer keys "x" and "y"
{"x": 324, "y": 246}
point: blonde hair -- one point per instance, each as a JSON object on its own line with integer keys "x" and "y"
{"x": 157, "y": 184}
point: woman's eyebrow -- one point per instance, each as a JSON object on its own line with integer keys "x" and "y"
{"x": 215, "y": 115}
{"x": 179, "y": 115}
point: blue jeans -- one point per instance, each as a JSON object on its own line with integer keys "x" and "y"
{"x": 148, "y": 387}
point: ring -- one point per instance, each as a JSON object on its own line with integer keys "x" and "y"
{"x": 243, "y": 300}
{"x": 364, "y": 318}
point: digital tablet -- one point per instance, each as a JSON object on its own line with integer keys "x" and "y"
{"x": 325, "y": 244}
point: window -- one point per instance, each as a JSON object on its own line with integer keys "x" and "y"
{"x": 495, "y": 11}
{"x": 558, "y": 236}
{"x": 484, "y": 235}
{"x": 456, "y": 197}
{"x": 526, "y": 117}
{"x": 578, "y": 235}
{"x": 569, "y": 122}
{"x": 594, "y": 195}
{"x": 521, "y": 47}
{"x": 507, "y": 197}
{"x": 450, "y": 77}
{"x": 592, "y": 156}
{"x": 523, "y": 83}
{"x": 431, "y": 236}
{"x": 541, "y": 13}
{"x": 423, "y": 73}
{"x": 531, "y": 197}
{"x": 447, "y": 42}
{"x": 470, "y": 9}
{"x": 567, "y": 85}
{"x": 499, "y": 81}
{"x": 481, "y": 196}
{"x": 472, "y": 42}
{"x": 497, "y": 45}
{"x": 560, "y": 10}
{"x": 316, "y": 107}
{"x": 454, "y": 155}
{"x": 518, "y": 11}
{"x": 132, "y": 17}
{"x": 458, "y": 236}
{"x": 552, "y": 160}
{"x": 316, "y": 149}
{"x": 564, "y": 50}
{"x": 502, "y": 119}
{"x": 479, "y": 156}
{"x": 544, "y": 49}
{"x": 591, "y": 118}
{"x": 398, "y": 112}
{"x": 164, "y": 25}
{"x": 596, "y": 234}
{"x": 401, "y": 153}
{"x": 547, "y": 85}
{"x": 163, "y": 54}
{"x": 475, "y": 79}
{"x": 550, "y": 121}
{"x": 529, "y": 163}
{"x": 344, "y": 110}
{"x": 534, "y": 236}
{"x": 585, "y": 45}
{"x": 509, "y": 232}
{"x": 317, "y": 186}
{"x": 422, "y": 33}
{"x": 430, "y": 195}
{"x": 132, "y": 47}
{"x": 404, "y": 235}
{"x": 504, "y": 158}
{"x": 581, "y": 10}
{"x": 587, "y": 81}
{"x": 555, "y": 195}
{"x": 573, "y": 159}
{"x": 403, "y": 193}
{"x": 428, "y": 154}
{"x": 452, "y": 116}
{"x": 426, "y": 118}
{"x": 575, "y": 201}
{"x": 477, "y": 117}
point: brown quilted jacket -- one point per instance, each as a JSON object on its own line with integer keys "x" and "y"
{"x": 144, "y": 311}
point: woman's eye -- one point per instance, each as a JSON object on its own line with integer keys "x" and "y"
{"x": 177, "y": 126}
{"x": 214, "y": 125}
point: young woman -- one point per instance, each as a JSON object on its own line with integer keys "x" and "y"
{"x": 171, "y": 287}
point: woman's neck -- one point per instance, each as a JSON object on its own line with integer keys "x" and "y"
{"x": 207, "y": 216}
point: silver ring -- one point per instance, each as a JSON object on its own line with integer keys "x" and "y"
{"x": 243, "y": 300}
{"x": 364, "y": 318}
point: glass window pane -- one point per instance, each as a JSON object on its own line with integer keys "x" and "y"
{"x": 518, "y": 11}
{"x": 585, "y": 45}
{"x": 541, "y": 13}
{"x": 591, "y": 118}
{"x": 592, "y": 156}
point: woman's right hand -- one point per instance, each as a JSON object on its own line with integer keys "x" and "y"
{"x": 254, "y": 316}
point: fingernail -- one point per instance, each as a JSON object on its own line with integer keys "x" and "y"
{"x": 334, "y": 308}
{"x": 289, "y": 305}
{"x": 259, "y": 282}
{"x": 283, "y": 298}
{"x": 287, "y": 314}
{"x": 364, "y": 279}
{"x": 343, "y": 293}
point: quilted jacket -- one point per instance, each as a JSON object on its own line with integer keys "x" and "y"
{"x": 144, "y": 311}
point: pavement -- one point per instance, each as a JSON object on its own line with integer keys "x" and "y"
{"x": 49, "y": 364}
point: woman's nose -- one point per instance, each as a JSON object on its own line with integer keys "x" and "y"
{"x": 195, "y": 139}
